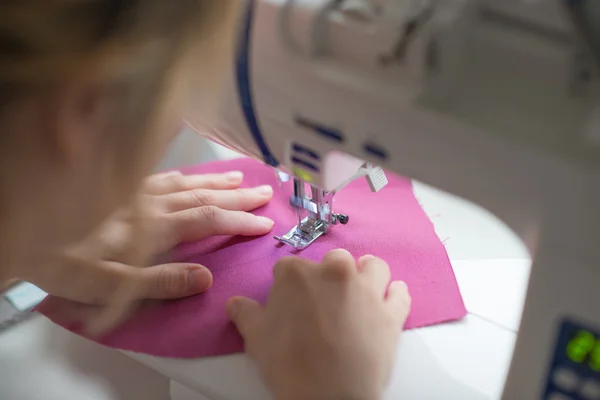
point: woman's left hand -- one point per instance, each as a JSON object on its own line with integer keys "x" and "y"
{"x": 175, "y": 208}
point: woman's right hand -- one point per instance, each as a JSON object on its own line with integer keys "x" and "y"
{"x": 328, "y": 331}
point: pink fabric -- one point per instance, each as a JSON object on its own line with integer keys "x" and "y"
{"x": 389, "y": 224}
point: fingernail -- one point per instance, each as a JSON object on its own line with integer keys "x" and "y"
{"x": 234, "y": 176}
{"x": 365, "y": 258}
{"x": 198, "y": 280}
{"x": 267, "y": 222}
{"x": 264, "y": 189}
{"x": 400, "y": 284}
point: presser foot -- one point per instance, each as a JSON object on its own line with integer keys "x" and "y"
{"x": 303, "y": 235}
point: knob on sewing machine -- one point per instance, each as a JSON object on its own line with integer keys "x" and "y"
{"x": 315, "y": 213}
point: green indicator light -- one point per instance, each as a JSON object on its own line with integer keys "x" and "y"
{"x": 581, "y": 346}
{"x": 576, "y": 354}
{"x": 594, "y": 361}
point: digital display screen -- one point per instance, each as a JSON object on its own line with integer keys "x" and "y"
{"x": 574, "y": 372}
{"x": 584, "y": 348}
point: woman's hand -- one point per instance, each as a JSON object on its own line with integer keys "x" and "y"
{"x": 328, "y": 331}
{"x": 175, "y": 208}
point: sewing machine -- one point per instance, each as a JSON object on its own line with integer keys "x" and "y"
{"x": 494, "y": 101}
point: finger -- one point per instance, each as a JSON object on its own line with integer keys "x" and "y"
{"x": 238, "y": 199}
{"x": 173, "y": 281}
{"x": 97, "y": 283}
{"x": 375, "y": 271}
{"x": 178, "y": 182}
{"x": 246, "y": 314}
{"x": 168, "y": 281}
{"x": 152, "y": 182}
{"x": 338, "y": 264}
{"x": 162, "y": 175}
{"x": 338, "y": 256}
{"x": 291, "y": 266}
{"x": 398, "y": 301}
{"x": 199, "y": 223}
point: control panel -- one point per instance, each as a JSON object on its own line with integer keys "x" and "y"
{"x": 575, "y": 370}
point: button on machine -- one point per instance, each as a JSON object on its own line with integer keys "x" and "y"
{"x": 565, "y": 379}
{"x": 590, "y": 390}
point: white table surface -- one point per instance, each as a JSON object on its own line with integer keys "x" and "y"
{"x": 466, "y": 360}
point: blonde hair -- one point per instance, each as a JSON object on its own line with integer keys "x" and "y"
{"x": 43, "y": 43}
{"x": 137, "y": 43}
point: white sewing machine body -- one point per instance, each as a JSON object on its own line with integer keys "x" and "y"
{"x": 494, "y": 101}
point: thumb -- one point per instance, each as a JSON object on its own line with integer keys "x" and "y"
{"x": 246, "y": 314}
{"x": 172, "y": 281}
{"x": 98, "y": 282}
